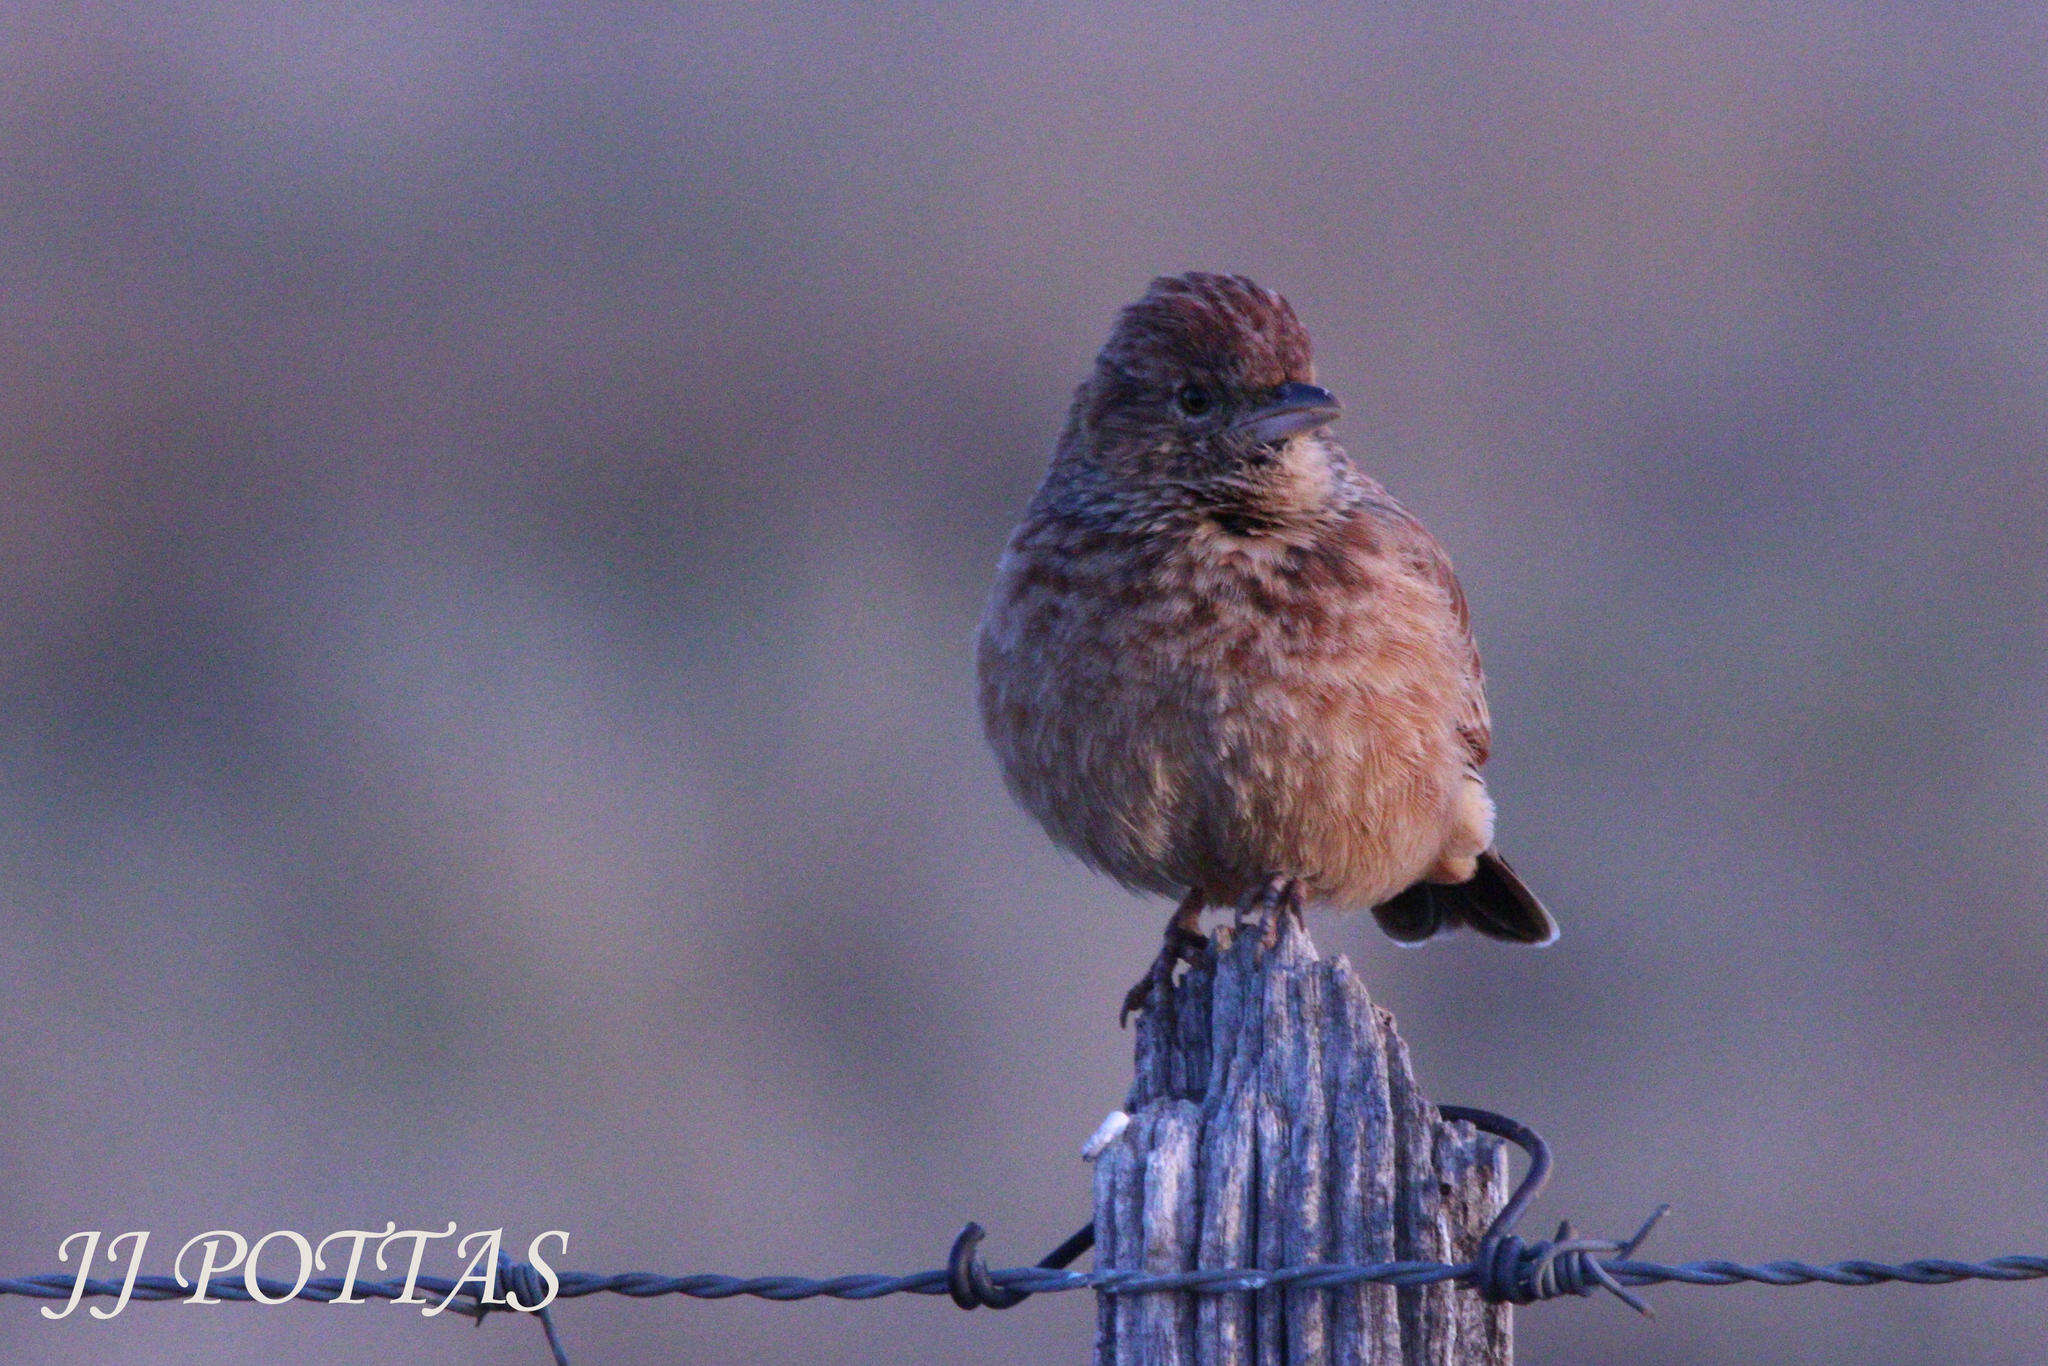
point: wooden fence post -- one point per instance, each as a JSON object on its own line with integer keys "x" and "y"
{"x": 1274, "y": 1122}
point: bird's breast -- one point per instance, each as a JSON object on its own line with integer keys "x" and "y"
{"x": 1205, "y": 708}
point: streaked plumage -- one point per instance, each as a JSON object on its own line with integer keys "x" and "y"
{"x": 1217, "y": 653}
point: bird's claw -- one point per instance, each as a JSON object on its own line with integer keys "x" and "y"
{"x": 1181, "y": 945}
{"x": 1277, "y": 898}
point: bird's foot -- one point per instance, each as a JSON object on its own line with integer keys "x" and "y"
{"x": 1182, "y": 944}
{"x": 1278, "y": 898}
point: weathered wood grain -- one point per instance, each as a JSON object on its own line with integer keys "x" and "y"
{"x": 1276, "y": 1122}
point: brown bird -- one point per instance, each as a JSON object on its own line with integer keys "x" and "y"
{"x": 1221, "y": 663}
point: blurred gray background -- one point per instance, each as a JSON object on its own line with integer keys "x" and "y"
{"x": 495, "y": 506}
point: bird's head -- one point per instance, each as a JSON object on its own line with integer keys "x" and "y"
{"x": 1206, "y": 388}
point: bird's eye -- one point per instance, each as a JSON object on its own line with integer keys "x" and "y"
{"x": 1193, "y": 399}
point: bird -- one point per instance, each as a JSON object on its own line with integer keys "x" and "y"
{"x": 1221, "y": 663}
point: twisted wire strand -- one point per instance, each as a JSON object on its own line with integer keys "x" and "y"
{"x": 1245, "y": 1280}
{"x": 1034, "y": 1280}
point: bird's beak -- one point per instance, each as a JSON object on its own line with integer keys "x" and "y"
{"x": 1293, "y": 409}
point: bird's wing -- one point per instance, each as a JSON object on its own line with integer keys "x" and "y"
{"x": 1432, "y": 565}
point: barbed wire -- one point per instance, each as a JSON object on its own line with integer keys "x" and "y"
{"x": 1506, "y": 1269}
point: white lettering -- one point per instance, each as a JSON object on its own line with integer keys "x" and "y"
{"x": 547, "y": 1273}
{"x": 210, "y": 1263}
{"x": 298, "y": 1241}
{"x": 420, "y": 1238}
{"x": 487, "y": 1257}
{"x": 92, "y": 1245}
{"x": 355, "y": 1258}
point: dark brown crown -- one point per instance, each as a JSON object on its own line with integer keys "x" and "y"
{"x": 1219, "y": 324}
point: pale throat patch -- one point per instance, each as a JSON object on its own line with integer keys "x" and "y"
{"x": 1305, "y": 475}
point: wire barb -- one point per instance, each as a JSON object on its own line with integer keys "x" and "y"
{"x": 1508, "y": 1269}
{"x": 967, "y": 1276}
{"x": 520, "y": 1281}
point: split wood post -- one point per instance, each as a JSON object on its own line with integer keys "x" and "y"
{"x": 1275, "y": 1122}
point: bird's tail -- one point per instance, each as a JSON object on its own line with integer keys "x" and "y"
{"x": 1493, "y": 902}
